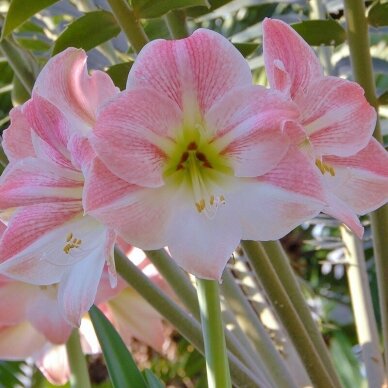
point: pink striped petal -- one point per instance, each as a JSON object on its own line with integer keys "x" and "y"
{"x": 361, "y": 180}
{"x": 272, "y": 205}
{"x": 20, "y": 341}
{"x": 286, "y": 52}
{"x": 45, "y": 315}
{"x": 247, "y": 123}
{"x": 65, "y": 82}
{"x": 34, "y": 240}
{"x": 140, "y": 215}
{"x": 333, "y": 110}
{"x": 48, "y": 123}
{"x": 194, "y": 72}
{"x": 17, "y": 141}
{"x": 81, "y": 152}
{"x": 130, "y": 131}
{"x": 31, "y": 181}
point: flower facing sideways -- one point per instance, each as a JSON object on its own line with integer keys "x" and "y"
{"x": 48, "y": 239}
{"x": 334, "y": 126}
{"x": 192, "y": 156}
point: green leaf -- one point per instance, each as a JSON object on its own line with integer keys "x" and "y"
{"x": 121, "y": 367}
{"x": 20, "y": 11}
{"x": 318, "y": 32}
{"x": 88, "y": 31}
{"x": 214, "y": 4}
{"x": 378, "y": 15}
{"x": 246, "y": 48}
{"x": 119, "y": 74}
{"x": 383, "y": 99}
{"x": 152, "y": 380}
{"x": 147, "y": 9}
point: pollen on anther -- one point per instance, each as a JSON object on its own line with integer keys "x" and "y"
{"x": 69, "y": 237}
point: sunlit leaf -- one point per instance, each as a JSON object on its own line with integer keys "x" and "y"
{"x": 121, "y": 367}
{"x": 152, "y": 9}
{"x": 246, "y": 48}
{"x": 318, "y": 32}
{"x": 378, "y": 15}
{"x": 20, "y": 11}
{"x": 88, "y": 31}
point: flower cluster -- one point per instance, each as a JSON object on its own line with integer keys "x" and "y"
{"x": 191, "y": 156}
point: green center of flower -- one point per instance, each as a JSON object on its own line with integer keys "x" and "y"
{"x": 196, "y": 162}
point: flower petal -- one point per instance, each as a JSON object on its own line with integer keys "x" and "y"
{"x": 45, "y": 315}
{"x": 140, "y": 215}
{"x": 130, "y": 131}
{"x": 34, "y": 234}
{"x": 78, "y": 286}
{"x": 17, "y": 141}
{"x": 247, "y": 123}
{"x": 194, "y": 72}
{"x": 286, "y": 52}
{"x": 31, "y": 181}
{"x": 20, "y": 342}
{"x": 332, "y": 111}
{"x": 361, "y": 180}
{"x": 65, "y": 82}
{"x": 54, "y": 365}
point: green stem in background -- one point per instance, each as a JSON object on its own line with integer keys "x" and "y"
{"x": 256, "y": 332}
{"x": 285, "y": 273}
{"x": 185, "y": 291}
{"x": 18, "y": 64}
{"x": 185, "y": 324}
{"x": 129, "y": 23}
{"x": 281, "y": 302}
{"x": 358, "y": 40}
{"x": 176, "y": 23}
{"x": 79, "y": 375}
{"x": 217, "y": 366}
{"x": 363, "y": 308}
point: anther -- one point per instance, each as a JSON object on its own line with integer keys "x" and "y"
{"x": 69, "y": 237}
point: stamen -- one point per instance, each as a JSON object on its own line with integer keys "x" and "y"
{"x": 324, "y": 167}
{"x": 71, "y": 243}
{"x": 69, "y": 237}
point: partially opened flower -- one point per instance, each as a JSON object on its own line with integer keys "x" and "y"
{"x": 334, "y": 127}
{"x": 49, "y": 240}
{"x": 194, "y": 158}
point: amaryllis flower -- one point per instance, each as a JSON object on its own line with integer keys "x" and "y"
{"x": 49, "y": 240}
{"x": 193, "y": 156}
{"x": 334, "y": 127}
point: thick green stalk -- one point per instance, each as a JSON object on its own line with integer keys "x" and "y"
{"x": 79, "y": 375}
{"x": 282, "y": 267}
{"x": 358, "y": 40}
{"x": 129, "y": 23}
{"x": 363, "y": 308}
{"x": 278, "y": 295}
{"x": 218, "y": 375}
{"x": 186, "y": 325}
{"x": 256, "y": 332}
{"x": 180, "y": 283}
{"x": 176, "y": 23}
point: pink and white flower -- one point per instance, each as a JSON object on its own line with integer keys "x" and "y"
{"x": 334, "y": 128}
{"x": 193, "y": 156}
{"x": 49, "y": 240}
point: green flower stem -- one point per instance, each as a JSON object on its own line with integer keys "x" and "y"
{"x": 358, "y": 40}
{"x": 278, "y": 295}
{"x": 129, "y": 23}
{"x": 251, "y": 325}
{"x": 18, "y": 64}
{"x": 363, "y": 308}
{"x": 185, "y": 324}
{"x": 282, "y": 267}
{"x": 176, "y": 23}
{"x": 217, "y": 366}
{"x": 79, "y": 377}
{"x": 185, "y": 291}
